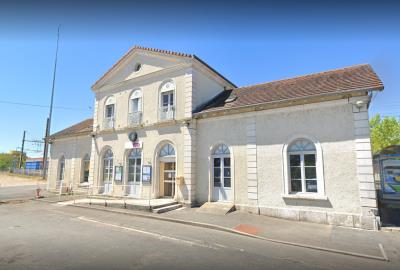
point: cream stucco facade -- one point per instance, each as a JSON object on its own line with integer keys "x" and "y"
{"x": 254, "y": 166}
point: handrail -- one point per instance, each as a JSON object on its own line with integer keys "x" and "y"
{"x": 167, "y": 112}
{"x": 92, "y": 190}
{"x": 108, "y": 122}
{"x": 134, "y": 118}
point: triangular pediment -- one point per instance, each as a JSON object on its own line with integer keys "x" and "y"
{"x": 138, "y": 62}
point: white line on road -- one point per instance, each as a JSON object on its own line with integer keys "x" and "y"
{"x": 383, "y": 252}
{"x": 156, "y": 235}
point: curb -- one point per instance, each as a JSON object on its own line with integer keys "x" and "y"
{"x": 15, "y": 200}
{"x": 390, "y": 229}
{"x": 228, "y": 230}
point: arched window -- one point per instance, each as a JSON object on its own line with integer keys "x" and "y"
{"x": 167, "y": 101}
{"x": 167, "y": 150}
{"x": 302, "y": 159}
{"x": 221, "y": 160}
{"x": 85, "y": 168}
{"x": 109, "y": 112}
{"x": 108, "y": 166}
{"x": 135, "y": 108}
{"x": 135, "y": 166}
{"x": 61, "y": 169}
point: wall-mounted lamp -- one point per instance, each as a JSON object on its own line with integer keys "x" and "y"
{"x": 360, "y": 103}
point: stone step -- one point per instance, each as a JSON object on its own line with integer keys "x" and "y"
{"x": 167, "y": 208}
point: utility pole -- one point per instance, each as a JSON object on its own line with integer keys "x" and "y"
{"x": 48, "y": 122}
{"x": 22, "y": 150}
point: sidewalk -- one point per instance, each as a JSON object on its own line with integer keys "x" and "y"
{"x": 325, "y": 236}
{"x": 347, "y": 240}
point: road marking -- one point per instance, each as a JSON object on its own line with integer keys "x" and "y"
{"x": 226, "y": 247}
{"x": 383, "y": 252}
{"x": 156, "y": 235}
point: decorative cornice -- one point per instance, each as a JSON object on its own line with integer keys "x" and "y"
{"x": 166, "y": 123}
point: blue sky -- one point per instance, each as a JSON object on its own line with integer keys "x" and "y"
{"x": 248, "y": 42}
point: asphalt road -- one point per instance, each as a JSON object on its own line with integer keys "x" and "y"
{"x": 39, "y": 235}
{"x": 17, "y": 192}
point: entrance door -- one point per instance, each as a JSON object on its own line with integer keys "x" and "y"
{"x": 108, "y": 171}
{"x": 221, "y": 162}
{"x": 134, "y": 173}
{"x": 168, "y": 176}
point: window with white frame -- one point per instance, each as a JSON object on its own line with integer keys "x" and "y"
{"x": 221, "y": 159}
{"x": 61, "y": 170}
{"x": 167, "y": 101}
{"x": 108, "y": 159}
{"x": 167, "y": 151}
{"x": 85, "y": 168}
{"x": 109, "y": 112}
{"x": 135, "y": 108}
{"x": 135, "y": 166}
{"x": 302, "y": 159}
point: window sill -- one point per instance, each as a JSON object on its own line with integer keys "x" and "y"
{"x": 303, "y": 196}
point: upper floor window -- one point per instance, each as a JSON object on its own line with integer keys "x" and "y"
{"x": 167, "y": 101}
{"x": 302, "y": 159}
{"x": 109, "y": 113}
{"x": 135, "y": 108}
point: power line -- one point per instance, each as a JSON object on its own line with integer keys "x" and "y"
{"x": 44, "y": 106}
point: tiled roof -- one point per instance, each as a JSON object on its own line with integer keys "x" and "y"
{"x": 137, "y": 47}
{"x": 81, "y": 128}
{"x": 348, "y": 79}
{"x": 163, "y": 51}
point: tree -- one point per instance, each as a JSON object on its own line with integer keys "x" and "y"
{"x": 7, "y": 160}
{"x": 384, "y": 132}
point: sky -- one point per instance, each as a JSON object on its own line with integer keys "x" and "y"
{"x": 248, "y": 42}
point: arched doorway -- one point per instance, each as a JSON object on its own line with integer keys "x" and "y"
{"x": 167, "y": 165}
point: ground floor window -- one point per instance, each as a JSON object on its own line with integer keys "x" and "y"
{"x": 61, "y": 169}
{"x": 302, "y": 167}
{"x": 86, "y": 165}
{"x": 108, "y": 166}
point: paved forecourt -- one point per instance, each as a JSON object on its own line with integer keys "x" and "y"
{"x": 39, "y": 235}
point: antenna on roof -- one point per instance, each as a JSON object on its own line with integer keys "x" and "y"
{"x": 48, "y": 122}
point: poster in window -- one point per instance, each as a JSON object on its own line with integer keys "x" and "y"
{"x": 146, "y": 174}
{"x": 118, "y": 174}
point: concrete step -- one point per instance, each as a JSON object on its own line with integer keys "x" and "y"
{"x": 164, "y": 205}
{"x": 168, "y": 208}
{"x": 218, "y": 208}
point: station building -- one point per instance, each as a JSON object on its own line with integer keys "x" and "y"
{"x": 166, "y": 124}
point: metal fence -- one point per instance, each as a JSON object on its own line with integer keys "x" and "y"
{"x": 93, "y": 195}
{"x": 28, "y": 172}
